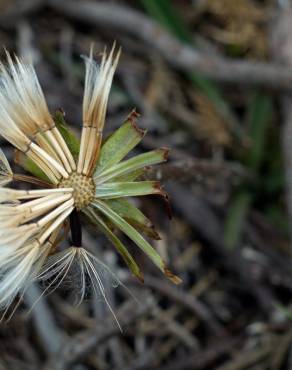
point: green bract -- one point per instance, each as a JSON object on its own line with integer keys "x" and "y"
{"x": 115, "y": 179}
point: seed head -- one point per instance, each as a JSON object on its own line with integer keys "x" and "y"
{"x": 89, "y": 177}
{"x": 84, "y": 189}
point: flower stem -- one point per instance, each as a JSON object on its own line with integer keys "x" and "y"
{"x": 76, "y": 229}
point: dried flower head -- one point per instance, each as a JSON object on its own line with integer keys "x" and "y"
{"x": 90, "y": 177}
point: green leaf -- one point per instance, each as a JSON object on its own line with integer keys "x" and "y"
{"x": 132, "y": 164}
{"x": 134, "y": 216}
{"x": 236, "y": 217}
{"x": 119, "y": 144}
{"x": 259, "y": 117}
{"x": 70, "y": 138}
{"x": 136, "y": 237}
{"x": 127, "y": 189}
{"x": 284, "y": 311}
{"x": 130, "y": 232}
{"x": 165, "y": 13}
{"x": 122, "y": 250}
{"x": 131, "y": 176}
{"x": 28, "y": 165}
{"x": 169, "y": 17}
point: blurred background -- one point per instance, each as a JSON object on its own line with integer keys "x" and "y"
{"x": 212, "y": 80}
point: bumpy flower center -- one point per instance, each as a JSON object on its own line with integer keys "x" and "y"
{"x": 84, "y": 189}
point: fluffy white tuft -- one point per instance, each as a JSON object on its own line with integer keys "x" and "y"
{"x": 26, "y": 229}
{"x": 20, "y": 271}
{"x": 6, "y": 174}
{"x": 24, "y": 117}
{"x": 11, "y": 132}
{"x": 83, "y": 267}
{"x": 98, "y": 81}
{"x": 22, "y": 97}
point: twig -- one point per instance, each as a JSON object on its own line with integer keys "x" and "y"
{"x": 179, "y": 331}
{"x": 281, "y": 47}
{"x": 247, "y": 359}
{"x": 18, "y": 9}
{"x": 195, "y": 170}
{"x": 204, "y": 220}
{"x": 48, "y": 332}
{"x": 178, "y": 54}
{"x": 80, "y": 345}
{"x": 280, "y": 351}
{"x": 203, "y": 359}
{"x": 188, "y": 300}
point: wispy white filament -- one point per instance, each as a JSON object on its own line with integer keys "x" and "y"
{"x": 20, "y": 271}
{"x": 98, "y": 81}
{"x": 27, "y": 220}
{"x": 23, "y": 98}
{"x": 83, "y": 266}
{"x": 6, "y": 173}
{"x": 24, "y": 114}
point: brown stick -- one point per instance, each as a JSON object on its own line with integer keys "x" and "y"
{"x": 179, "y": 55}
{"x": 80, "y": 345}
{"x": 32, "y": 180}
{"x": 194, "y": 170}
{"x": 188, "y": 300}
{"x": 281, "y": 47}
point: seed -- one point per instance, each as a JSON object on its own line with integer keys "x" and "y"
{"x": 84, "y": 189}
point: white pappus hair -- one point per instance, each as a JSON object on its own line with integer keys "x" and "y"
{"x": 84, "y": 266}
